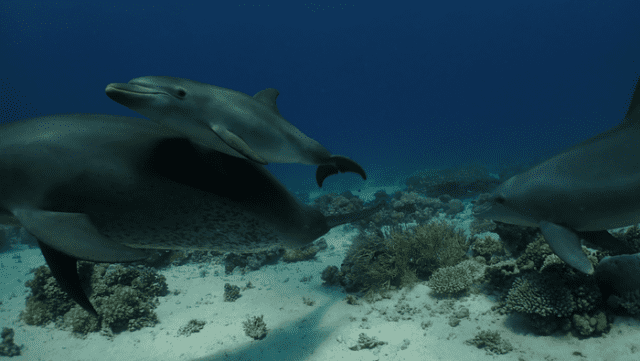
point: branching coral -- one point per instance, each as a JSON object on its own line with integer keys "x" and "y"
{"x": 255, "y": 327}
{"x": 487, "y": 246}
{"x": 376, "y": 262}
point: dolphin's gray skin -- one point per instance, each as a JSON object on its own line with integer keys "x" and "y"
{"x": 105, "y": 188}
{"x": 228, "y": 121}
{"x": 619, "y": 276}
{"x": 577, "y": 194}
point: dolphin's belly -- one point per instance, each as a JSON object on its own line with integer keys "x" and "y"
{"x": 608, "y": 222}
{"x": 589, "y": 207}
{"x": 602, "y": 210}
{"x": 169, "y": 215}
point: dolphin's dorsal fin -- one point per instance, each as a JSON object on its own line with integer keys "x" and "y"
{"x": 633, "y": 113}
{"x": 631, "y": 119}
{"x": 268, "y": 97}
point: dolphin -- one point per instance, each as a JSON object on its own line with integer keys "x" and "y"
{"x": 619, "y": 275}
{"x": 106, "y": 188}
{"x": 577, "y": 194}
{"x": 228, "y": 121}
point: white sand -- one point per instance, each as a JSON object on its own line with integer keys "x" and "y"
{"x": 297, "y": 331}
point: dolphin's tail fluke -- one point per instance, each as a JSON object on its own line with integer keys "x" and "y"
{"x": 338, "y": 164}
{"x": 334, "y": 221}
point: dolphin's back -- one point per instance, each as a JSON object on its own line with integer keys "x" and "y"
{"x": 589, "y": 187}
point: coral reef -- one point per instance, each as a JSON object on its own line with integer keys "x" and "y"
{"x": 231, "y": 293}
{"x": 455, "y": 206}
{"x": 255, "y": 327}
{"x": 403, "y": 207}
{"x": 300, "y": 254}
{"x": 532, "y": 296}
{"x": 46, "y": 301}
{"x": 366, "y": 342}
{"x": 8, "y": 347}
{"x": 251, "y": 261}
{"x": 455, "y": 279}
{"x": 374, "y": 262}
{"x": 352, "y": 300}
{"x": 458, "y": 315}
{"x": 481, "y": 225}
{"x": 491, "y": 342}
{"x": 588, "y": 325}
{"x": 429, "y": 246}
{"x": 80, "y": 321}
{"x": 534, "y": 255}
{"x": 192, "y": 327}
{"x": 332, "y": 275}
{"x": 333, "y": 204}
{"x": 552, "y": 296}
{"x": 321, "y": 244}
{"x": 407, "y": 208}
{"x": 516, "y": 238}
{"x": 539, "y": 285}
{"x": 308, "y": 301}
{"x": 500, "y": 276}
{"x": 125, "y": 309}
{"x": 487, "y": 247}
{"x": 124, "y": 298}
{"x": 464, "y": 181}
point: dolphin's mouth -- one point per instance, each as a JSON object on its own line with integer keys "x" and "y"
{"x": 132, "y": 89}
{"x": 131, "y": 95}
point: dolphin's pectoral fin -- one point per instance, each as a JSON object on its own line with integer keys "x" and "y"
{"x": 338, "y": 164}
{"x": 74, "y": 235}
{"x": 237, "y": 143}
{"x": 64, "y": 238}
{"x": 566, "y": 245}
{"x": 65, "y": 271}
{"x": 606, "y": 241}
{"x": 268, "y": 98}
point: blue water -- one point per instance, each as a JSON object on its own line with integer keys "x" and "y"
{"x": 396, "y": 86}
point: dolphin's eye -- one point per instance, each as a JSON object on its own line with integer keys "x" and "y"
{"x": 182, "y": 93}
{"x": 500, "y": 200}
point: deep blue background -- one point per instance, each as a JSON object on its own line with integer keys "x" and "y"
{"x": 396, "y": 86}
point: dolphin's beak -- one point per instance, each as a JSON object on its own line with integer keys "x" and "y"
{"x": 130, "y": 94}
